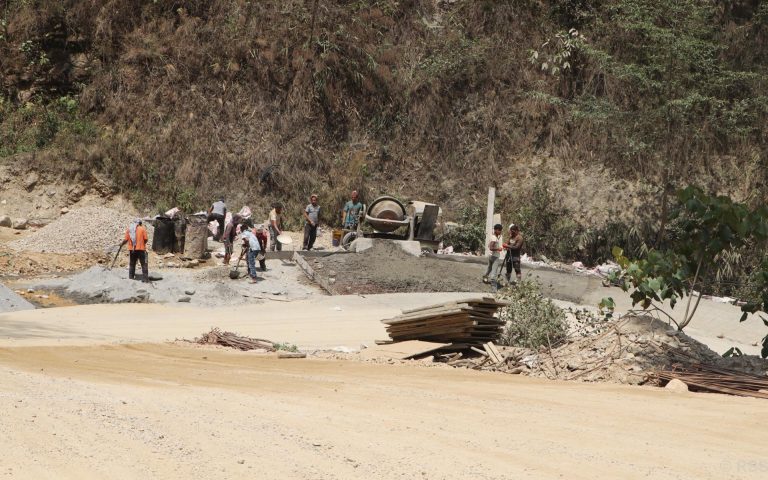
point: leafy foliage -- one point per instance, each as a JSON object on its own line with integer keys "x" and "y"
{"x": 707, "y": 227}
{"x": 531, "y": 319}
{"x": 469, "y": 235}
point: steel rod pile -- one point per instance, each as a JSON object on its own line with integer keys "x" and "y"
{"x": 707, "y": 378}
{"x": 469, "y": 322}
{"x": 233, "y": 340}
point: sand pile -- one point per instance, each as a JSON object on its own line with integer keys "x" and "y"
{"x": 83, "y": 230}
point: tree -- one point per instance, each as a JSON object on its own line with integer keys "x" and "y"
{"x": 703, "y": 228}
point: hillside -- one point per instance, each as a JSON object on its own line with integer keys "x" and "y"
{"x": 586, "y": 115}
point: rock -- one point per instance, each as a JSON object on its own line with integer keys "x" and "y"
{"x": 31, "y": 180}
{"x": 677, "y": 385}
{"x": 189, "y": 292}
{"x": 411, "y": 247}
{"x": 5, "y": 221}
{"x": 185, "y": 300}
{"x": 361, "y": 244}
{"x": 64, "y": 210}
{"x": 192, "y": 264}
{"x": 20, "y": 224}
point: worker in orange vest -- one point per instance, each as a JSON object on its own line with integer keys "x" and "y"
{"x": 136, "y": 238}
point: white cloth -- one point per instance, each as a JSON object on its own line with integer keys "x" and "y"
{"x": 495, "y": 244}
{"x": 132, "y": 232}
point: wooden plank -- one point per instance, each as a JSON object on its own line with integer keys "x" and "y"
{"x": 401, "y": 350}
{"x": 473, "y": 316}
{"x": 496, "y": 351}
{"x": 488, "y": 300}
{"x": 489, "y": 350}
{"x": 284, "y": 354}
{"x": 477, "y": 350}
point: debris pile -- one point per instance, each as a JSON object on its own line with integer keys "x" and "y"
{"x": 633, "y": 350}
{"x": 233, "y": 340}
{"x": 466, "y": 322}
{"x": 86, "y": 229}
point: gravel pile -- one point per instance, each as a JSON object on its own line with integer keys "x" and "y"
{"x": 83, "y": 230}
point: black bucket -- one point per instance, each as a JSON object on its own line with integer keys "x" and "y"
{"x": 164, "y": 238}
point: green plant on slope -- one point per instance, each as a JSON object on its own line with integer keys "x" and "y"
{"x": 531, "y": 319}
{"x": 469, "y": 235}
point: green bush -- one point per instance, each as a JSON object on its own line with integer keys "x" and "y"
{"x": 531, "y": 319}
{"x": 469, "y": 236}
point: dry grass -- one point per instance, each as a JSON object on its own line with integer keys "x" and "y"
{"x": 269, "y": 101}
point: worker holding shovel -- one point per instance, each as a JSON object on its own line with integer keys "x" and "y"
{"x": 136, "y": 238}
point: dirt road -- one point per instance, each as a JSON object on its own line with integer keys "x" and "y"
{"x": 165, "y": 411}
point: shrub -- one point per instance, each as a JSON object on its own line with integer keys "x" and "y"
{"x": 469, "y": 236}
{"x": 531, "y": 319}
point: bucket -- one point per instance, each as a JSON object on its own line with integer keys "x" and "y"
{"x": 337, "y": 234}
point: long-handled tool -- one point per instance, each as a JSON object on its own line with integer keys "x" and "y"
{"x": 234, "y": 274}
{"x": 116, "y": 255}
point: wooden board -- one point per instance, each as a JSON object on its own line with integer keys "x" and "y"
{"x": 483, "y": 300}
{"x": 401, "y": 350}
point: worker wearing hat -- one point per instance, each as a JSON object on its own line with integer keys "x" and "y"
{"x": 514, "y": 250}
{"x": 494, "y": 263}
{"x": 136, "y": 238}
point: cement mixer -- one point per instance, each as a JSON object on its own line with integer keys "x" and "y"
{"x": 390, "y": 219}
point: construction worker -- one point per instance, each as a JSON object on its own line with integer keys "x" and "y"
{"x": 312, "y": 219}
{"x": 494, "y": 263}
{"x": 514, "y": 249}
{"x": 275, "y": 226}
{"x": 254, "y": 248}
{"x": 261, "y": 234}
{"x": 136, "y": 238}
{"x": 230, "y": 232}
{"x": 218, "y": 212}
{"x": 350, "y": 214}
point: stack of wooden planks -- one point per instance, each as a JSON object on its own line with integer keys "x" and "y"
{"x": 468, "y": 322}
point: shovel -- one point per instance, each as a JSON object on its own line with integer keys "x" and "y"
{"x": 234, "y": 274}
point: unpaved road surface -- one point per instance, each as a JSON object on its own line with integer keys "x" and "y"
{"x": 167, "y": 411}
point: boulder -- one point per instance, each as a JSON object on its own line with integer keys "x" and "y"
{"x": 5, "y": 221}
{"x": 31, "y": 180}
{"x": 677, "y": 385}
{"x": 20, "y": 224}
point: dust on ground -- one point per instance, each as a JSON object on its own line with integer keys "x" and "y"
{"x": 208, "y": 287}
{"x": 163, "y": 411}
{"x": 386, "y": 268}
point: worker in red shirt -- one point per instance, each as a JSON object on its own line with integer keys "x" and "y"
{"x": 136, "y": 238}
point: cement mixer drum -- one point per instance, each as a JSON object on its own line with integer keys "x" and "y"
{"x": 387, "y": 214}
